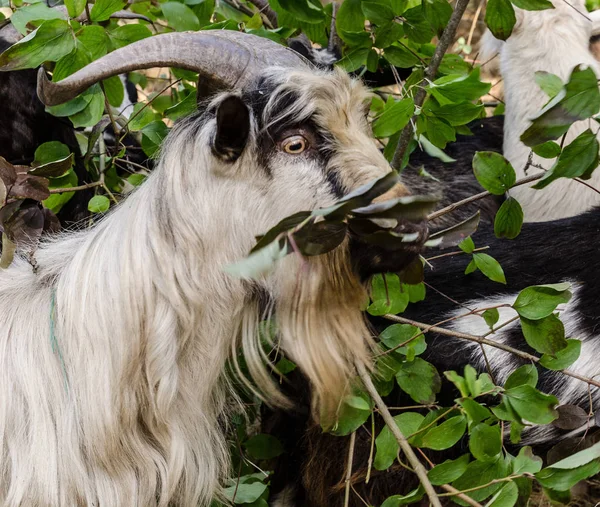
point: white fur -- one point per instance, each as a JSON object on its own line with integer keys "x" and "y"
{"x": 555, "y": 41}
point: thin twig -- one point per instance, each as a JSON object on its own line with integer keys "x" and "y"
{"x": 476, "y": 197}
{"x": 451, "y": 254}
{"x": 264, "y": 8}
{"x": 474, "y": 24}
{"x": 460, "y": 495}
{"x": 349, "y": 469}
{"x": 372, "y": 450}
{"x": 445, "y": 40}
{"x": 402, "y": 442}
{"x": 334, "y": 44}
{"x": 75, "y": 189}
{"x": 485, "y": 341}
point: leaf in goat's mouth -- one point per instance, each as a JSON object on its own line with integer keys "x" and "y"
{"x": 320, "y": 231}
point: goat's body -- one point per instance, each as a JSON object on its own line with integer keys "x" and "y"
{"x": 555, "y": 41}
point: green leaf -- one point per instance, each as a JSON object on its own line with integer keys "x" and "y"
{"x": 416, "y": 26}
{"x": 493, "y": 172}
{"x": 136, "y": 179}
{"x": 387, "y": 295}
{"x": 506, "y": 497}
{"x": 386, "y": 444}
{"x": 244, "y": 492}
{"x": 549, "y": 149}
{"x": 579, "y": 458}
{"x": 184, "y": 108}
{"x": 56, "y": 201}
{"x": 304, "y": 10}
{"x": 531, "y": 404}
{"x": 259, "y": 262}
{"x": 564, "y": 479}
{"x": 491, "y": 317}
{"x": 564, "y": 357}
{"x": 467, "y": 245}
{"x": 141, "y": 116}
{"x": 36, "y": 12}
{"x": 49, "y": 43}
{"x": 75, "y": 7}
{"x": 476, "y": 412}
{"x": 489, "y": 267}
{"x": 420, "y": 380}
{"x": 500, "y": 18}
{"x": 180, "y": 17}
{"x": 68, "y": 64}
{"x": 351, "y": 416}
{"x": 396, "y": 334}
{"x": 551, "y": 84}
{"x": 578, "y": 100}
{"x": 533, "y": 5}
{"x": 457, "y": 88}
{"x": 98, "y": 204}
{"x": 448, "y": 471}
{"x": 115, "y": 91}
{"x": 394, "y": 118}
{"x": 479, "y": 473}
{"x": 50, "y": 152}
{"x": 414, "y": 496}
{"x": 446, "y": 434}
{"x": 471, "y": 267}
{"x": 509, "y": 219}
{"x": 378, "y": 11}
{"x": 153, "y": 135}
{"x": 354, "y": 59}
{"x": 454, "y": 114}
{"x": 546, "y": 335}
{"x": 540, "y": 301}
{"x": 94, "y": 39}
{"x": 102, "y": 9}
{"x": 350, "y": 18}
{"x": 126, "y": 34}
{"x": 526, "y": 461}
{"x": 263, "y": 446}
{"x": 524, "y": 375}
{"x": 485, "y": 442}
{"x": 438, "y": 13}
{"x": 578, "y": 159}
{"x": 399, "y": 56}
{"x": 92, "y": 111}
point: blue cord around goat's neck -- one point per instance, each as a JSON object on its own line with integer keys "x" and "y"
{"x": 53, "y": 340}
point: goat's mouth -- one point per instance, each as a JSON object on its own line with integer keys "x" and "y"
{"x": 392, "y": 251}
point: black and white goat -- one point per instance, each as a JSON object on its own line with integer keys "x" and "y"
{"x": 112, "y": 372}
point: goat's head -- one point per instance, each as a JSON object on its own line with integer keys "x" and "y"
{"x": 284, "y": 138}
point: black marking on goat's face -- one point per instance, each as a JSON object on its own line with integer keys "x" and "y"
{"x": 369, "y": 259}
{"x": 233, "y": 128}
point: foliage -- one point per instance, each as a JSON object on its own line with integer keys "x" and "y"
{"x": 375, "y": 35}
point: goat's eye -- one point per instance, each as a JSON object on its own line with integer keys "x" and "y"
{"x": 294, "y": 145}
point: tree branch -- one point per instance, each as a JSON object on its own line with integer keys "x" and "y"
{"x": 445, "y": 40}
{"x": 481, "y": 195}
{"x": 264, "y": 7}
{"x": 485, "y": 341}
{"x": 400, "y": 438}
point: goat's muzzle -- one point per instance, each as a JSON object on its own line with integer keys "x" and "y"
{"x": 385, "y": 255}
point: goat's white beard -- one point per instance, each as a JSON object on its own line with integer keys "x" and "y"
{"x": 320, "y": 326}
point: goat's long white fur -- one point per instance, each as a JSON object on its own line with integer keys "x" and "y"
{"x": 555, "y": 41}
{"x": 112, "y": 355}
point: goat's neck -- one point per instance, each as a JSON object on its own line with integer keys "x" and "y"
{"x": 520, "y": 59}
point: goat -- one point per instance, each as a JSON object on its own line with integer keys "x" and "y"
{"x": 113, "y": 373}
{"x": 556, "y": 41}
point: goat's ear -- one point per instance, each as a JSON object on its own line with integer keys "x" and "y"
{"x": 233, "y": 128}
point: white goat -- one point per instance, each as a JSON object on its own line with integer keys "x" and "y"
{"x": 112, "y": 354}
{"x": 555, "y": 41}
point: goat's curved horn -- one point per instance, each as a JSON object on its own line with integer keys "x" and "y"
{"x": 225, "y": 58}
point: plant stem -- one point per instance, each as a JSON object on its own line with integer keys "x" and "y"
{"x": 349, "y": 468}
{"x": 430, "y": 73}
{"x": 402, "y": 442}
